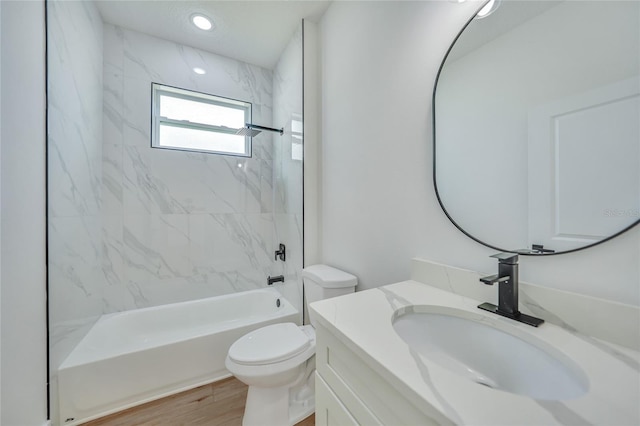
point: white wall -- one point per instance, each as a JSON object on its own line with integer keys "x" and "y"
{"x": 0, "y": 211}
{"x": 312, "y": 144}
{"x": 379, "y": 62}
{"x": 22, "y": 193}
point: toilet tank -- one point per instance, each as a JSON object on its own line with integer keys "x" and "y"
{"x": 323, "y": 282}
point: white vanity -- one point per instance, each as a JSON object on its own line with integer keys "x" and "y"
{"x": 368, "y": 374}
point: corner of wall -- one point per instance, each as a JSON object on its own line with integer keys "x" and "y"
{"x": 0, "y": 214}
{"x": 22, "y": 280}
{"x": 312, "y": 145}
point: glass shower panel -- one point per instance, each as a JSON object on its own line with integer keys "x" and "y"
{"x": 287, "y": 164}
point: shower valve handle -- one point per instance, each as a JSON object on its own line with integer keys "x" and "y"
{"x": 281, "y": 253}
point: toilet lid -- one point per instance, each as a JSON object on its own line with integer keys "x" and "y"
{"x": 266, "y": 345}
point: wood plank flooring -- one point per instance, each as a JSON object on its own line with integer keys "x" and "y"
{"x": 216, "y": 404}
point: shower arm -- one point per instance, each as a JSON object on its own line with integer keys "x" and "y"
{"x": 258, "y": 127}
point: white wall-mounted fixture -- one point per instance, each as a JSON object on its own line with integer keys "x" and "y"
{"x": 488, "y": 9}
{"x": 201, "y": 22}
{"x": 199, "y": 71}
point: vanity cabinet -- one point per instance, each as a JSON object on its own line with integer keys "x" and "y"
{"x": 350, "y": 392}
{"x": 371, "y": 371}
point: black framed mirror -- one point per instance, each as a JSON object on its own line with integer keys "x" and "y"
{"x": 536, "y": 115}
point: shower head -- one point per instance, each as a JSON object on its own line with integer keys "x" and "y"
{"x": 247, "y": 131}
{"x": 253, "y": 130}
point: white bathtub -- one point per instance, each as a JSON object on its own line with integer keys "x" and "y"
{"x": 132, "y": 357}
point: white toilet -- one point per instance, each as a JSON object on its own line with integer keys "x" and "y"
{"x": 278, "y": 361}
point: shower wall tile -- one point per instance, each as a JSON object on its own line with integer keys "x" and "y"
{"x": 77, "y": 289}
{"x": 229, "y": 242}
{"x": 156, "y": 247}
{"x": 149, "y": 175}
{"x": 77, "y": 284}
{"x": 208, "y": 283}
{"x": 180, "y": 225}
{"x": 171, "y": 181}
{"x": 75, "y": 242}
{"x": 287, "y": 168}
{"x": 113, "y": 252}
{"x": 143, "y": 295}
{"x": 266, "y": 186}
{"x": 112, "y": 179}
{"x": 287, "y": 83}
{"x": 136, "y": 107}
{"x": 155, "y": 60}
{"x": 113, "y": 49}
{"x": 287, "y": 178}
{"x": 288, "y": 231}
{"x": 112, "y": 107}
{"x": 74, "y": 166}
{"x": 75, "y": 109}
{"x": 133, "y": 226}
{"x": 75, "y": 59}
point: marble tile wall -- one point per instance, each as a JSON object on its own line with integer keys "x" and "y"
{"x": 287, "y": 165}
{"x": 133, "y": 226}
{"x": 181, "y": 225}
{"x": 77, "y": 294}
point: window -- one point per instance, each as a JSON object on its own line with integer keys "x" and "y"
{"x": 192, "y": 121}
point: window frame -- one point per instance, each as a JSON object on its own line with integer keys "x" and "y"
{"x": 158, "y": 90}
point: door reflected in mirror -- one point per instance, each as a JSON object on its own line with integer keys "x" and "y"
{"x": 537, "y": 125}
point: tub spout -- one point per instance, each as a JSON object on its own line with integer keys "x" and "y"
{"x": 276, "y": 279}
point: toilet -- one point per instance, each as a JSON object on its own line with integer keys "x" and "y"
{"x": 277, "y": 362}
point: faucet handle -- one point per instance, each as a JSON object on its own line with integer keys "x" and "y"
{"x": 509, "y": 258}
{"x": 281, "y": 253}
{"x": 492, "y": 279}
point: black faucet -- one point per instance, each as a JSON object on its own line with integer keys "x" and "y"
{"x": 507, "y": 279}
{"x": 276, "y": 279}
{"x": 281, "y": 253}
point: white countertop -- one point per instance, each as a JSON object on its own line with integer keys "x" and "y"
{"x": 363, "y": 321}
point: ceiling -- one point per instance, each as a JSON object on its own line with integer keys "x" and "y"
{"x": 509, "y": 15}
{"x": 247, "y": 30}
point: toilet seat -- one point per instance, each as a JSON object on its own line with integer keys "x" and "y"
{"x": 271, "y": 344}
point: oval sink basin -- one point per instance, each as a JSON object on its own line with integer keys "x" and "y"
{"x": 488, "y": 353}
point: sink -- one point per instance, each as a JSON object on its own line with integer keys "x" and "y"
{"x": 490, "y": 352}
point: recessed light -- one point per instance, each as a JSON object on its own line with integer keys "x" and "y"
{"x": 201, "y": 22}
{"x": 198, "y": 70}
{"x": 488, "y": 9}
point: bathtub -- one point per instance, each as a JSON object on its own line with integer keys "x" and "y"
{"x": 129, "y": 358}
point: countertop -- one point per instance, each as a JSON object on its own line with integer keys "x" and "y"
{"x": 363, "y": 322}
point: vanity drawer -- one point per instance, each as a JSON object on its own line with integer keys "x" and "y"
{"x": 369, "y": 398}
{"x": 329, "y": 410}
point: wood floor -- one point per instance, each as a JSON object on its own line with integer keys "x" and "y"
{"x": 216, "y": 404}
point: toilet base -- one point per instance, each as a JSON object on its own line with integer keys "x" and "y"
{"x": 284, "y": 405}
{"x": 266, "y": 407}
{"x": 302, "y": 404}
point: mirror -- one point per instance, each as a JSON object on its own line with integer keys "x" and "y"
{"x": 536, "y": 125}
